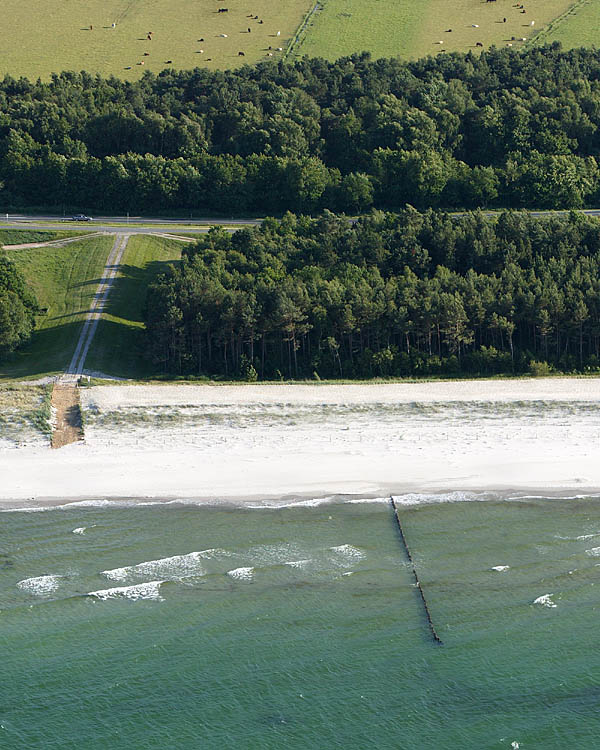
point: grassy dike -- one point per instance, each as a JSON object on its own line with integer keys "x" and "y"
{"x": 118, "y": 346}
{"x": 64, "y": 280}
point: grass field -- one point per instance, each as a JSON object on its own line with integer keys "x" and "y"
{"x": 22, "y": 236}
{"x": 578, "y": 27}
{"x": 118, "y": 345}
{"x": 48, "y": 36}
{"x": 64, "y": 280}
{"x": 403, "y": 28}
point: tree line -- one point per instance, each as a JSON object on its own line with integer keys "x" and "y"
{"x": 18, "y": 308}
{"x": 506, "y": 128}
{"x": 406, "y": 294}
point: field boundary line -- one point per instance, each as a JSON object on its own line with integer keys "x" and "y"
{"x": 301, "y": 30}
{"x": 543, "y": 33}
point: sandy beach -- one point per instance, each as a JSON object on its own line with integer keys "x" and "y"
{"x": 264, "y": 442}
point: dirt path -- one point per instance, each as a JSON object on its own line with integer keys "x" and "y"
{"x": 65, "y": 395}
{"x": 68, "y": 427}
{"x": 55, "y": 243}
{"x": 77, "y": 363}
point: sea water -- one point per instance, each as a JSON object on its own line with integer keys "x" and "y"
{"x": 186, "y": 626}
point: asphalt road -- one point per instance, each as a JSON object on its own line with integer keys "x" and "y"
{"x": 154, "y": 225}
{"x": 133, "y": 224}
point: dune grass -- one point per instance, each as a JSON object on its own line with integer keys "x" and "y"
{"x": 403, "y": 28}
{"x": 64, "y": 280}
{"x": 48, "y": 36}
{"x": 118, "y": 345}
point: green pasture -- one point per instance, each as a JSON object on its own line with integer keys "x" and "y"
{"x": 118, "y": 346}
{"x": 64, "y": 280}
{"x": 406, "y": 29}
{"x": 48, "y": 36}
{"x": 579, "y": 26}
{"x": 24, "y": 236}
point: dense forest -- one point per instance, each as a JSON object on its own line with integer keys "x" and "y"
{"x": 506, "y": 128}
{"x": 18, "y": 308}
{"x": 390, "y": 295}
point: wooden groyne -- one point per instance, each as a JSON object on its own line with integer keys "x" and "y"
{"x": 432, "y": 629}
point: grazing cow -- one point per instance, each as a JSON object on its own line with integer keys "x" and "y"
{"x": 478, "y": 44}
{"x": 201, "y": 40}
{"x": 475, "y": 25}
{"x": 261, "y": 21}
{"x": 249, "y": 30}
{"x": 141, "y": 63}
{"x": 146, "y": 54}
{"x": 269, "y": 54}
{"x": 448, "y": 31}
{"x": 532, "y": 23}
{"x": 504, "y": 20}
{"x": 91, "y": 27}
{"x": 208, "y": 59}
{"x": 223, "y": 10}
{"x": 168, "y": 62}
{"x": 223, "y": 35}
{"x": 279, "y": 49}
{"x": 241, "y": 54}
{"x": 149, "y": 37}
{"x": 113, "y": 25}
{"x": 278, "y": 33}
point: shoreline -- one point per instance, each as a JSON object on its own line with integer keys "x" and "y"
{"x": 245, "y": 445}
{"x": 405, "y": 497}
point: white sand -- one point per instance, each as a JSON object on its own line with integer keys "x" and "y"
{"x": 257, "y": 441}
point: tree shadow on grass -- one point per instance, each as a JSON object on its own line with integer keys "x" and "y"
{"x": 119, "y": 350}
{"x": 128, "y": 294}
{"x": 50, "y": 349}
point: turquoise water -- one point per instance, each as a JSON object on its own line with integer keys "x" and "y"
{"x": 300, "y": 627}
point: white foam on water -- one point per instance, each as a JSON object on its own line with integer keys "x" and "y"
{"x": 593, "y": 552}
{"x": 209, "y": 554}
{"x": 148, "y": 590}
{"x": 583, "y": 537}
{"x": 514, "y": 745}
{"x": 166, "y": 567}
{"x": 545, "y": 601}
{"x": 344, "y": 555}
{"x": 310, "y": 503}
{"x": 419, "y": 498}
{"x": 501, "y": 568}
{"x": 40, "y": 585}
{"x": 361, "y": 500}
{"x": 80, "y": 530}
{"x": 241, "y": 574}
{"x": 348, "y": 551}
{"x": 297, "y": 563}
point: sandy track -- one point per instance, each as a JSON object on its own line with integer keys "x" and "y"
{"x": 65, "y": 400}
{"x": 77, "y": 363}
